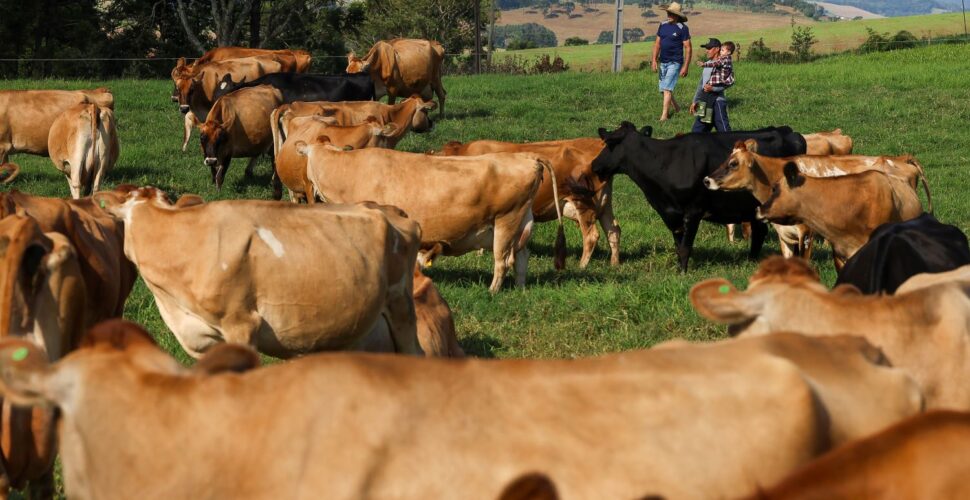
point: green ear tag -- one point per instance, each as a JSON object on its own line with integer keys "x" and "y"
{"x": 102, "y": 203}
{"x": 724, "y": 289}
{"x": 20, "y": 354}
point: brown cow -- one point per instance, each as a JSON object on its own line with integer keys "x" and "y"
{"x": 585, "y": 197}
{"x": 403, "y": 67}
{"x": 614, "y": 426}
{"x": 83, "y": 144}
{"x": 845, "y": 210}
{"x": 436, "y": 327}
{"x": 462, "y": 203}
{"x": 356, "y": 112}
{"x": 238, "y": 126}
{"x": 26, "y": 117}
{"x": 293, "y": 60}
{"x": 41, "y": 298}
{"x": 828, "y": 143}
{"x": 925, "y": 331}
{"x": 927, "y": 456}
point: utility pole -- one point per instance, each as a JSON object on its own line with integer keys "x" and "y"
{"x": 964, "y": 6}
{"x": 478, "y": 36}
{"x": 618, "y": 39}
{"x": 491, "y": 33}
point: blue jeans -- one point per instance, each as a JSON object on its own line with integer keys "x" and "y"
{"x": 669, "y": 74}
{"x": 720, "y": 121}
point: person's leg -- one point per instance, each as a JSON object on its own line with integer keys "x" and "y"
{"x": 700, "y": 126}
{"x": 665, "y": 114}
{"x": 721, "y": 121}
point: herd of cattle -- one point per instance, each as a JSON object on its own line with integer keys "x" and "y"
{"x": 855, "y": 392}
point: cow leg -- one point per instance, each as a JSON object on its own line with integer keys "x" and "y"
{"x": 521, "y": 256}
{"x": 189, "y": 122}
{"x": 586, "y": 217}
{"x": 219, "y": 175}
{"x": 277, "y": 183}
{"x": 610, "y": 226}
{"x": 251, "y": 166}
{"x": 730, "y": 232}
{"x": 402, "y": 319}
{"x": 43, "y": 486}
{"x": 439, "y": 90}
{"x": 807, "y": 242}
{"x": 504, "y": 238}
{"x": 74, "y": 179}
{"x": 691, "y": 224}
{"x": 759, "y": 230}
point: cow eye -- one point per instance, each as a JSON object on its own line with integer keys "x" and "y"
{"x": 733, "y": 164}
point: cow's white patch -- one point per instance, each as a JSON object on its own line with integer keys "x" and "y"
{"x": 270, "y": 239}
{"x": 835, "y": 172}
{"x": 222, "y": 85}
{"x": 569, "y": 211}
{"x": 209, "y": 159}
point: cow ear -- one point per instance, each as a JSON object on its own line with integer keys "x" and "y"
{"x": 24, "y": 373}
{"x": 429, "y": 105}
{"x": 740, "y": 145}
{"x": 846, "y": 289}
{"x": 180, "y": 63}
{"x": 602, "y": 132}
{"x": 646, "y": 131}
{"x": 386, "y": 57}
{"x": 793, "y": 176}
{"x": 351, "y": 56}
{"x": 189, "y": 200}
{"x": 751, "y": 145}
{"x": 533, "y": 486}
{"x": 223, "y": 358}
{"x": 110, "y": 202}
{"x": 302, "y": 148}
{"x": 389, "y": 129}
{"x": 718, "y": 300}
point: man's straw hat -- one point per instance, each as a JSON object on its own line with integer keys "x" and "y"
{"x": 674, "y": 8}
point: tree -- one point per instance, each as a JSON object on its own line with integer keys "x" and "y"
{"x": 802, "y": 39}
{"x": 264, "y": 20}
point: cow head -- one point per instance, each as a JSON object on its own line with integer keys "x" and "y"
{"x": 120, "y": 202}
{"x": 738, "y": 171}
{"x": 421, "y": 119}
{"x": 784, "y": 205}
{"x": 356, "y": 64}
{"x": 214, "y": 139}
{"x": 185, "y": 88}
{"x": 612, "y": 158}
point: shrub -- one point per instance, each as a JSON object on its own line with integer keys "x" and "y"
{"x": 575, "y": 40}
{"x": 537, "y": 34}
{"x": 802, "y": 39}
{"x": 649, "y": 13}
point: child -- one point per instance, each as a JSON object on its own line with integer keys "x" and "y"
{"x": 722, "y": 77}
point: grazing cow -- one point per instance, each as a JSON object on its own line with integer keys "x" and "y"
{"x": 292, "y": 60}
{"x": 462, "y": 203}
{"x": 828, "y": 143}
{"x": 357, "y": 112}
{"x": 26, "y": 117}
{"x": 83, "y": 144}
{"x": 585, "y": 197}
{"x": 403, "y": 67}
{"x": 845, "y": 210}
{"x": 747, "y": 170}
{"x": 898, "y": 251}
{"x": 41, "y": 298}
{"x": 926, "y": 456}
{"x": 436, "y": 326}
{"x": 607, "y": 427}
{"x": 238, "y": 126}
{"x": 925, "y": 331}
{"x": 256, "y": 273}
{"x": 670, "y": 173}
{"x": 303, "y": 87}
{"x": 97, "y": 239}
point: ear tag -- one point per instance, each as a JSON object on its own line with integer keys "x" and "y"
{"x": 428, "y": 263}
{"x": 102, "y": 203}
{"x": 20, "y": 354}
{"x": 724, "y": 289}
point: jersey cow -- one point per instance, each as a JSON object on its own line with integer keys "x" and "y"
{"x": 670, "y": 173}
{"x": 585, "y": 197}
{"x": 256, "y": 272}
{"x": 925, "y": 332}
{"x": 83, "y": 144}
{"x": 828, "y": 143}
{"x": 293, "y": 60}
{"x": 349, "y": 415}
{"x": 306, "y": 87}
{"x": 898, "y": 251}
{"x": 461, "y": 203}
{"x": 403, "y": 67}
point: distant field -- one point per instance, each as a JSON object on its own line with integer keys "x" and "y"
{"x": 847, "y": 11}
{"x": 832, "y": 37}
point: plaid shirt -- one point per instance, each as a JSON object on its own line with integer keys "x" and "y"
{"x": 723, "y": 73}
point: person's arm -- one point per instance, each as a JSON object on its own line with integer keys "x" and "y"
{"x": 656, "y": 54}
{"x": 688, "y": 50}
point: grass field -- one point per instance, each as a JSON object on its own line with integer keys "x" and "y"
{"x": 832, "y": 37}
{"x": 913, "y": 101}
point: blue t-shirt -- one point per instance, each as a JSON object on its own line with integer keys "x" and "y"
{"x": 672, "y": 36}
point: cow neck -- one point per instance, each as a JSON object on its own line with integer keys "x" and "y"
{"x": 818, "y": 215}
{"x": 402, "y": 116}
{"x": 20, "y": 241}
{"x": 764, "y": 178}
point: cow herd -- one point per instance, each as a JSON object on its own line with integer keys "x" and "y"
{"x": 855, "y": 392}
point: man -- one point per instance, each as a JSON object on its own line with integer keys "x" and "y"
{"x": 720, "y": 117}
{"x": 671, "y": 47}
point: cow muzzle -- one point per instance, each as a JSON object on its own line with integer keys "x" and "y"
{"x": 710, "y": 184}
{"x": 760, "y": 215}
{"x": 211, "y": 162}
{"x": 183, "y": 109}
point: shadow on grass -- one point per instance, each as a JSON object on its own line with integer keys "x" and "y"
{"x": 473, "y": 113}
{"x": 480, "y": 346}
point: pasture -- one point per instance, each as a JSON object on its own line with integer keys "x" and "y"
{"x": 912, "y": 101}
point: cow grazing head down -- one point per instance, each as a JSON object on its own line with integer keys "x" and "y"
{"x": 783, "y": 207}
{"x": 356, "y": 64}
{"x": 214, "y": 139}
{"x": 612, "y": 158}
{"x": 739, "y": 171}
{"x": 421, "y": 120}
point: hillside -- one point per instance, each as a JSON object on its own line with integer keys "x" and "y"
{"x": 892, "y": 8}
{"x": 847, "y": 11}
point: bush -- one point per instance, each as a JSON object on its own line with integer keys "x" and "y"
{"x": 515, "y": 65}
{"x": 802, "y": 39}
{"x": 536, "y": 34}
{"x": 575, "y": 40}
{"x": 629, "y": 35}
{"x": 516, "y": 44}
{"x": 880, "y": 42}
{"x": 649, "y": 13}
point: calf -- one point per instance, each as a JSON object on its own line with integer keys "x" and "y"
{"x": 257, "y": 271}
{"x": 403, "y": 67}
{"x": 670, "y": 173}
{"x": 605, "y": 427}
{"x": 238, "y": 126}
{"x": 83, "y": 144}
{"x": 899, "y": 250}
{"x": 586, "y": 198}
{"x": 436, "y": 327}
{"x": 828, "y": 143}
{"x": 925, "y": 332}
{"x": 303, "y": 87}
{"x": 927, "y": 456}
{"x": 461, "y": 203}
{"x": 845, "y": 210}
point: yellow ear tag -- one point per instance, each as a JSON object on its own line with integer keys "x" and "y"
{"x": 428, "y": 263}
{"x": 724, "y": 289}
{"x": 20, "y": 354}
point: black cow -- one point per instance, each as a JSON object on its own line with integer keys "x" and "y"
{"x": 670, "y": 174}
{"x": 303, "y": 87}
{"x": 897, "y": 251}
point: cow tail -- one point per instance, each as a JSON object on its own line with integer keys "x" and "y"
{"x": 9, "y": 172}
{"x": 559, "y": 249}
{"x": 926, "y": 185}
{"x": 92, "y": 162}
{"x": 274, "y": 123}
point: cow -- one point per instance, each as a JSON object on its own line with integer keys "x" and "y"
{"x": 828, "y": 143}
{"x": 306, "y": 87}
{"x": 897, "y": 251}
{"x": 357, "y": 112}
{"x": 747, "y": 170}
{"x": 436, "y": 326}
{"x": 83, "y": 144}
{"x": 238, "y": 126}
{"x": 293, "y": 60}
{"x": 926, "y": 456}
{"x": 462, "y": 203}
{"x": 41, "y": 298}
{"x": 258, "y": 272}
{"x": 613, "y": 426}
{"x": 670, "y": 174}
{"x": 403, "y": 67}
{"x": 925, "y": 332}
{"x": 586, "y": 198}
{"x": 196, "y": 90}
{"x": 97, "y": 240}
{"x": 26, "y": 117}
{"x": 845, "y": 210}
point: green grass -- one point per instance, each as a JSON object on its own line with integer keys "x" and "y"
{"x": 913, "y": 101}
{"x": 832, "y": 37}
